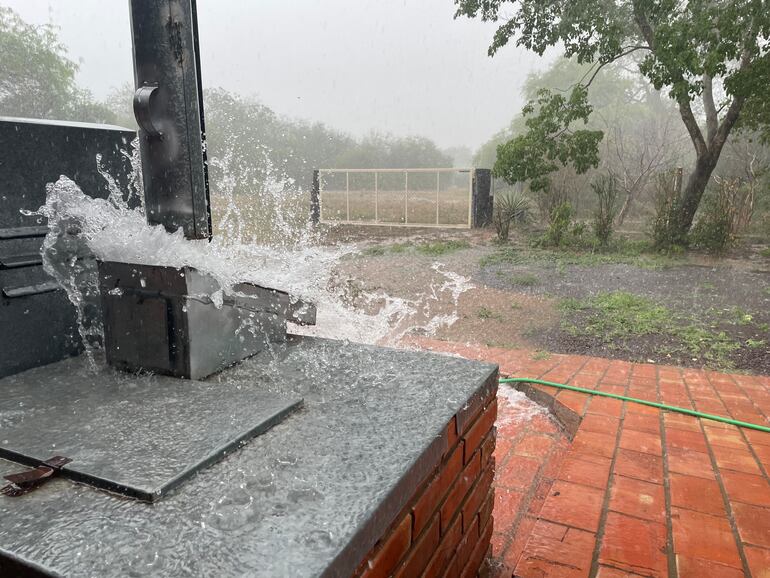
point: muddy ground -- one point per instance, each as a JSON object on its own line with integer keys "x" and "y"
{"x": 518, "y": 301}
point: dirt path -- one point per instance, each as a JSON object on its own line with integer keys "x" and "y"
{"x": 518, "y": 301}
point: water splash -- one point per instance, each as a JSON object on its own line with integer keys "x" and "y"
{"x": 290, "y": 256}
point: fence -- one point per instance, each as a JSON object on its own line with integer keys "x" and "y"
{"x": 447, "y": 198}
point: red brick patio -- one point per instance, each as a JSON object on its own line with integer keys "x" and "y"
{"x": 637, "y": 491}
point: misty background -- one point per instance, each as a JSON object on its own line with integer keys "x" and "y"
{"x": 401, "y": 67}
{"x": 294, "y": 86}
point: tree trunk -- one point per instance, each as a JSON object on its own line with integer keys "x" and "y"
{"x": 693, "y": 192}
{"x": 625, "y": 208}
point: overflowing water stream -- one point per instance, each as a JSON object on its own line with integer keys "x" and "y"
{"x": 262, "y": 491}
{"x": 294, "y": 259}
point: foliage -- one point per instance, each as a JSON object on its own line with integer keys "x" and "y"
{"x": 607, "y": 193}
{"x": 628, "y": 253}
{"x": 756, "y": 113}
{"x": 442, "y": 247}
{"x": 724, "y": 214}
{"x": 559, "y": 226}
{"x": 618, "y": 317}
{"x": 712, "y": 231}
{"x": 666, "y": 203}
{"x": 550, "y": 141}
{"x": 434, "y": 249}
{"x": 524, "y": 280}
{"x": 37, "y": 79}
{"x": 509, "y": 206}
{"x": 694, "y": 49}
{"x": 486, "y": 313}
{"x": 388, "y": 152}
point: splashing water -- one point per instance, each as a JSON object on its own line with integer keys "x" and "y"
{"x": 115, "y": 229}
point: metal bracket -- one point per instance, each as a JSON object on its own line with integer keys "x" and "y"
{"x": 25, "y": 482}
{"x": 144, "y": 106}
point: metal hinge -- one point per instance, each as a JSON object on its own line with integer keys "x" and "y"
{"x": 25, "y": 482}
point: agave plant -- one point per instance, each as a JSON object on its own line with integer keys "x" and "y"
{"x": 509, "y": 206}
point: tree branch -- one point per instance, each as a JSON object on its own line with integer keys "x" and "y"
{"x": 644, "y": 25}
{"x": 690, "y": 122}
{"x": 625, "y": 52}
{"x": 731, "y": 116}
{"x": 685, "y": 110}
{"x": 712, "y": 118}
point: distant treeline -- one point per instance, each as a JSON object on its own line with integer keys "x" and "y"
{"x": 37, "y": 80}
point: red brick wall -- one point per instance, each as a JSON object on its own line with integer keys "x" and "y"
{"x": 445, "y": 529}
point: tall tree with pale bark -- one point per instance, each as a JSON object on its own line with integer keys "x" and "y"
{"x": 712, "y": 57}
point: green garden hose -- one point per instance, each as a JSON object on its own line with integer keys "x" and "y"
{"x": 662, "y": 406}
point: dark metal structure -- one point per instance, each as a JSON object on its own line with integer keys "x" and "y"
{"x": 159, "y": 318}
{"x": 37, "y": 321}
{"x": 168, "y": 105}
{"x": 481, "y": 199}
{"x": 163, "y": 319}
{"x": 308, "y": 498}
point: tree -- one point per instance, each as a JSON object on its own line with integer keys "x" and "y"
{"x": 550, "y": 140}
{"x": 37, "y": 79}
{"x": 641, "y": 132}
{"x": 711, "y": 53}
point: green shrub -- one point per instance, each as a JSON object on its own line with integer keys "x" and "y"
{"x": 667, "y": 199}
{"x": 509, "y": 206}
{"x": 714, "y": 229}
{"x": 559, "y": 224}
{"x": 607, "y": 193}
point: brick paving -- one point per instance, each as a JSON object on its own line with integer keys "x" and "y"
{"x": 611, "y": 489}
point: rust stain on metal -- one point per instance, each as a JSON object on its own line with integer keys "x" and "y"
{"x": 25, "y": 482}
{"x": 174, "y": 29}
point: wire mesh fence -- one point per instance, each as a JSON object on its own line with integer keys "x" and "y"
{"x": 396, "y": 197}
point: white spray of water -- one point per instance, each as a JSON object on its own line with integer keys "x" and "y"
{"x": 112, "y": 230}
{"x": 517, "y": 407}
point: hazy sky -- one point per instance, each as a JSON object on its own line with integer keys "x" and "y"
{"x": 400, "y": 66}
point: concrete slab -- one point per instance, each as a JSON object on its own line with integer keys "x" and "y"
{"x": 136, "y": 436}
{"x": 308, "y": 498}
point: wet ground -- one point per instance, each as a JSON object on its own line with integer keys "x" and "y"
{"x": 515, "y": 296}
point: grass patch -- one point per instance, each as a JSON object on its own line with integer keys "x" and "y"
{"x": 433, "y": 249}
{"x": 524, "y": 280}
{"x": 619, "y": 317}
{"x": 400, "y": 247}
{"x": 562, "y": 258}
{"x": 442, "y": 247}
{"x": 765, "y": 252}
{"x": 486, "y": 313}
{"x": 540, "y": 356}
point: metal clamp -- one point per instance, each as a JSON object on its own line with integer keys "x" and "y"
{"x": 144, "y": 102}
{"x": 25, "y": 482}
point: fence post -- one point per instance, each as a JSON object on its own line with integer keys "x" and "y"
{"x": 438, "y": 189}
{"x": 482, "y": 200}
{"x": 315, "y": 198}
{"x": 376, "y": 199}
{"x": 406, "y": 197}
